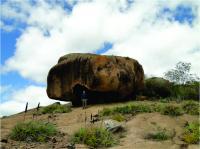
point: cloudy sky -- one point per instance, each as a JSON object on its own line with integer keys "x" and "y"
{"x": 35, "y": 33}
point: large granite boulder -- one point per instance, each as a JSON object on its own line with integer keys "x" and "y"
{"x": 104, "y": 78}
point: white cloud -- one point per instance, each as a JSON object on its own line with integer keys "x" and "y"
{"x": 31, "y": 94}
{"x": 135, "y": 32}
{"x": 160, "y": 48}
{"x": 4, "y": 88}
{"x": 7, "y": 28}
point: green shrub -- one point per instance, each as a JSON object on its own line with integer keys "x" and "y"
{"x": 94, "y": 137}
{"x": 159, "y": 135}
{"x": 157, "y": 87}
{"x": 33, "y": 131}
{"x": 192, "y": 133}
{"x": 141, "y": 108}
{"x": 172, "y": 110}
{"x": 126, "y": 109}
{"x": 191, "y": 107}
{"x": 187, "y": 91}
{"x": 118, "y": 117}
{"x": 56, "y": 108}
{"x": 106, "y": 111}
{"x": 157, "y": 107}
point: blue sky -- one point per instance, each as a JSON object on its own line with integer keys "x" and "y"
{"x": 147, "y": 31}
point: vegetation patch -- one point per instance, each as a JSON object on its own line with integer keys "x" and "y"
{"x": 33, "y": 131}
{"x": 157, "y": 87}
{"x": 186, "y": 91}
{"x": 172, "y": 110}
{"x": 157, "y": 107}
{"x": 191, "y": 107}
{"x": 118, "y": 117}
{"x": 56, "y": 108}
{"x": 94, "y": 137}
{"x": 106, "y": 111}
{"x": 159, "y": 135}
{"x": 127, "y": 109}
{"x": 192, "y": 133}
{"x": 142, "y": 108}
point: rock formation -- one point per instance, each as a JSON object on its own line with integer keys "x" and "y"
{"x": 104, "y": 78}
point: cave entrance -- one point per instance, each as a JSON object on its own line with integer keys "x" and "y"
{"x": 94, "y": 97}
{"x": 77, "y": 92}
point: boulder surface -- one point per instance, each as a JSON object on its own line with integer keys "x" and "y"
{"x": 104, "y": 78}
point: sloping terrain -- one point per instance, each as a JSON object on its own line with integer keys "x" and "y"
{"x": 136, "y": 129}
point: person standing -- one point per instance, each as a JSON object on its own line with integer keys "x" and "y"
{"x": 84, "y": 99}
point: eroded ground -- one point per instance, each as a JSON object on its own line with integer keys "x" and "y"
{"x": 136, "y": 129}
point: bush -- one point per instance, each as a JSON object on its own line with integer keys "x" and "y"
{"x": 187, "y": 91}
{"x": 172, "y": 110}
{"x": 94, "y": 137}
{"x": 191, "y": 107}
{"x": 33, "y": 131}
{"x": 133, "y": 109}
{"x": 160, "y": 135}
{"x": 141, "y": 108}
{"x": 157, "y": 87}
{"x": 118, "y": 117}
{"x": 192, "y": 133}
{"x": 106, "y": 111}
{"x": 157, "y": 107}
{"x": 56, "y": 108}
{"x": 127, "y": 109}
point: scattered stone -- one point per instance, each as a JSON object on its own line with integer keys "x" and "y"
{"x": 54, "y": 140}
{"x": 71, "y": 146}
{"x": 112, "y": 125}
{"x": 4, "y": 140}
{"x": 28, "y": 139}
{"x": 183, "y": 146}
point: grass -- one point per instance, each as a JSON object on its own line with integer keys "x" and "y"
{"x": 118, "y": 117}
{"x": 94, "y": 137}
{"x": 159, "y": 135}
{"x": 33, "y": 131}
{"x": 106, "y": 111}
{"x": 127, "y": 109}
{"x": 56, "y": 108}
{"x": 172, "y": 110}
{"x": 191, "y": 107}
{"x": 135, "y": 108}
{"x": 192, "y": 133}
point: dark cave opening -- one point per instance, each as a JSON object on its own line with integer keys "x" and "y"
{"x": 95, "y": 97}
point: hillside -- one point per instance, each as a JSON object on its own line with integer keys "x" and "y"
{"x": 136, "y": 127}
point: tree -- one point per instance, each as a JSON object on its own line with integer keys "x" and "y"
{"x": 181, "y": 74}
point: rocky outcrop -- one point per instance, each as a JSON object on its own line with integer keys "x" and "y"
{"x": 104, "y": 78}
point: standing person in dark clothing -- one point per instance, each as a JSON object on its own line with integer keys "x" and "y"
{"x": 84, "y": 100}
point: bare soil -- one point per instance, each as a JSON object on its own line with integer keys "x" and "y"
{"x": 136, "y": 129}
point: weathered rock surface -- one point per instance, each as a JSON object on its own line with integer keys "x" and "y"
{"x": 112, "y": 125}
{"x": 104, "y": 78}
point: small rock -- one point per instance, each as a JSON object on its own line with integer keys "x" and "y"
{"x": 54, "y": 140}
{"x": 4, "y": 140}
{"x": 71, "y": 146}
{"x": 29, "y": 139}
{"x": 112, "y": 125}
{"x": 183, "y": 146}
